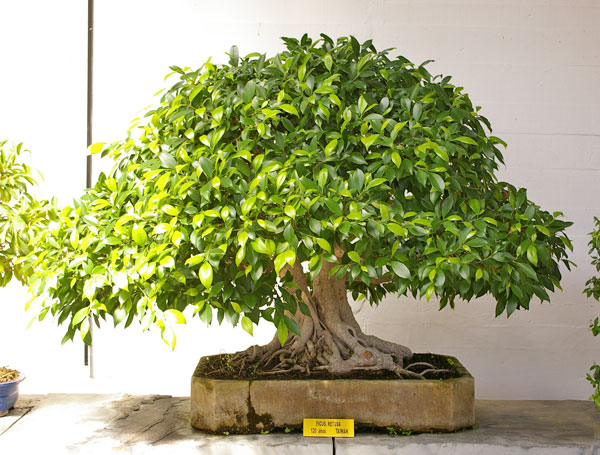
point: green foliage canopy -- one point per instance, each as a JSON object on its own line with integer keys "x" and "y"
{"x": 248, "y": 166}
{"x": 21, "y": 214}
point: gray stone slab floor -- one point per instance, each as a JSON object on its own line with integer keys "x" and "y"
{"x": 122, "y": 424}
{"x": 503, "y": 428}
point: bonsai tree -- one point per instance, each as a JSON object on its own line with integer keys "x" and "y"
{"x": 22, "y": 216}
{"x": 271, "y": 188}
{"x": 592, "y": 289}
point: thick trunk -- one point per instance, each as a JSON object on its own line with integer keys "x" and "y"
{"x": 330, "y": 338}
{"x": 356, "y": 350}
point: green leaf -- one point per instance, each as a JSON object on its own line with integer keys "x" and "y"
{"x": 324, "y": 89}
{"x": 529, "y": 212}
{"x": 375, "y": 182}
{"x": 329, "y": 148}
{"x": 500, "y": 307}
{"x": 397, "y": 127}
{"x": 301, "y": 72}
{"x": 167, "y": 262}
{"x": 248, "y": 204}
{"x": 96, "y": 148}
{"x": 328, "y": 60}
{"x": 74, "y": 238}
{"x": 234, "y": 56}
{"x": 356, "y": 180}
{"x": 239, "y": 256}
{"x": 263, "y": 246}
{"x": 119, "y": 314}
{"x": 437, "y": 182}
{"x": 324, "y": 244}
{"x": 353, "y": 255}
{"x": 362, "y": 105}
{"x": 511, "y": 307}
{"x": 417, "y": 111}
{"x": 217, "y": 114}
{"x": 532, "y": 254}
{"x": 80, "y": 316}
{"x": 282, "y": 332}
{"x": 441, "y": 153}
{"x": 178, "y": 315}
{"x": 85, "y": 331}
{"x": 396, "y": 229}
{"x": 543, "y": 229}
{"x": 322, "y": 177}
{"x": 194, "y": 93}
{"x": 369, "y": 140}
{"x": 90, "y": 285}
{"x": 290, "y": 211}
{"x": 138, "y": 234}
{"x": 400, "y": 269}
{"x": 292, "y": 325}
{"x": 247, "y": 324}
{"x": 248, "y": 91}
{"x": 170, "y": 210}
{"x": 314, "y": 225}
{"x": 527, "y": 270}
{"x": 195, "y": 260}
{"x": 289, "y": 109}
{"x": 475, "y": 205}
{"x": 206, "y": 275}
{"x": 287, "y": 257}
{"x": 466, "y": 140}
{"x": 167, "y": 160}
{"x": 206, "y": 165}
{"x": 396, "y": 159}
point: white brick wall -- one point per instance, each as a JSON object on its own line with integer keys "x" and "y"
{"x": 534, "y": 67}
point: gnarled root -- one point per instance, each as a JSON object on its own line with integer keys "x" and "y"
{"x": 321, "y": 353}
{"x": 330, "y": 339}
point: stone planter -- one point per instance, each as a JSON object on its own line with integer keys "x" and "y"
{"x": 250, "y": 406}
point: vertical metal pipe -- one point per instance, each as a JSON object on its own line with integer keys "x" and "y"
{"x": 88, "y": 349}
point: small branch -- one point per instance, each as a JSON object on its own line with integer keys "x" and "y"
{"x": 384, "y": 279}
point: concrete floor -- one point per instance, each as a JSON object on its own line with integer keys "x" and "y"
{"x": 122, "y": 424}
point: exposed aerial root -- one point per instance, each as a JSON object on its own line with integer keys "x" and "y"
{"x": 434, "y": 371}
{"x": 330, "y": 338}
{"x": 419, "y": 365}
{"x": 341, "y": 352}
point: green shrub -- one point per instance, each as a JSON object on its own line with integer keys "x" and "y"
{"x": 22, "y": 216}
{"x": 592, "y": 289}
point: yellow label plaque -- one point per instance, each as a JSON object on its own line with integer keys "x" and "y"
{"x": 327, "y": 428}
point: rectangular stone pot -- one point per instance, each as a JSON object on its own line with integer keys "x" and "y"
{"x": 251, "y": 406}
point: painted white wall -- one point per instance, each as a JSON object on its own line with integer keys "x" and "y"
{"x": 42, "y": 103}
{"x": 533, "y": 66}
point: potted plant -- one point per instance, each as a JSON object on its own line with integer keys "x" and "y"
{"x": 270, "y": 188}
{"x": 21, "y": 217}
{"x": 9, "y": 389}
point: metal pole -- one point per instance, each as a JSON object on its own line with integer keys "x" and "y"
{"x": 88, "y": 350}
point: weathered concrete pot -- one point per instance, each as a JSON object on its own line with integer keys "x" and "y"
{"x": 250, "y": 406}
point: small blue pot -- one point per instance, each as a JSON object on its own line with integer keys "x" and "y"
{"x": 9, "y": 392}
